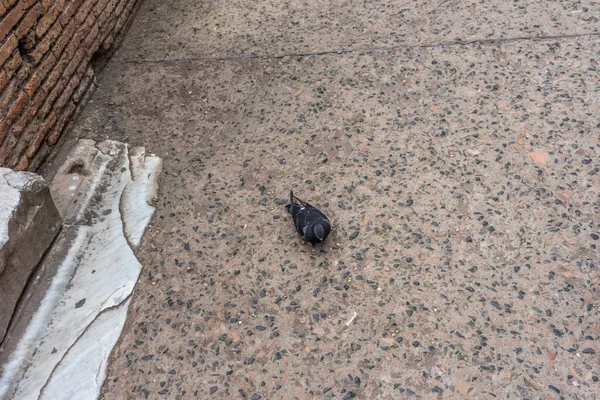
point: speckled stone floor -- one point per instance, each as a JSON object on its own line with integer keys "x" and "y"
{"x": 456, "y": 147}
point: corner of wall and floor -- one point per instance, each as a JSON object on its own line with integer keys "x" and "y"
{"x": 50, "y": 53}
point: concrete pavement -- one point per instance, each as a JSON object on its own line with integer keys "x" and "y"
{"x": 454, "y": 144}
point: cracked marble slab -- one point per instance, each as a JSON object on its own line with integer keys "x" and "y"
{"x": 103, "y": 193}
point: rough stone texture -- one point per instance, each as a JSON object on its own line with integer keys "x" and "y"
{"x": 29, "y": 222}
{"x": 462, "y": 178}
{"x": 49, "y": 53}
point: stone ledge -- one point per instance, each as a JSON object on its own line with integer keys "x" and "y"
{"x": 61, "y": 339}
{"x": 29, "y": 222}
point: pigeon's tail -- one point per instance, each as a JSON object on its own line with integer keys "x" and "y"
{"x": 289, "y": 206}
{"x": 294, "y": 199}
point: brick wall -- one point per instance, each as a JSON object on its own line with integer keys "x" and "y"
{"x": 46, "y": 53}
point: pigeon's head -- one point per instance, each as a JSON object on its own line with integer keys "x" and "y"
{"x": 316, "y": 234}
{"x": 319, "y": 232}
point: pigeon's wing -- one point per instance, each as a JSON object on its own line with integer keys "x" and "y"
{"x": 314, "y": 211}
{"x": 302, "y": 219}
{"x": 316, "y": 214}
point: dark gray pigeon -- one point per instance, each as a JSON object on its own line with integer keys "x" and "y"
{"x": 312, "y": 225}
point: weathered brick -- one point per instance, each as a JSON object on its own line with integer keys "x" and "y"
{"x": 27, "y": 116}
{"x": 26, "y": 136}
{"x": 84, "y": 30}
{"x": 17, "y": 127}
{"x": 57, "y": 71}
{"x": 4, "y": 79}
{"x": 40, "y": 74}
{"x": 22, "y": 164}
{"x": 30, "y": 18}
{"x": 54, "y": 32}
{"x": 5, "y": 150}
{"x": 38, "y": 99}
{"x": 75, "y": 62}
{"x": 3, "y": 9}
{"x": 69, "y": 10}
{"x": 13, "y": 155}
{"x": 11, "y": 19}
{"x": 28, "y": 132}
{"x": 52, "y": 96}
{"x": 80, "y": 71}
{"x": 42, "y": 47}
{"x": 28, "y": 3}
{"x": 64, "y": 38}
{"x": 66, "y": 93}
{"x": 73, "y": 45}
{"x": 17, "y": 107}
{"x": 91, "y": 43}
{"x": 103, "y": 18}
{"x": 49, "y": 122}
{"x": 108, "y": 41}
{"x": 52, "y": 79}
{"x": 9, "y": 92}
{"x": 40, "y": 156}
{"x": 19, "y": 148}
{"x": 60, "y": 124}
{"x": 130, "y": 5}
{"x": 120, "y": 7}
{"x": 84, "y": 11}
{"x": 13, "y": 63}
{"x": 35, "y": 143}
{"x": 109, "y": 9}
{"x": 108, "y": 27}
{"x": 86, "y": 80}
{"x": 112, "y": 4}
{"x": 40, "y": 134}
{"x": 23, "y": 73}
{"x": 3, "y": 130}
{"x": 8, "y": 47}
{"x": 100, "y": 7}
{"x": 48, "y": 19}
{"x": 40, "y": 50}
{"x": 121, "y": 22}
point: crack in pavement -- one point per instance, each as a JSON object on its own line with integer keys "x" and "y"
{"x": 77, "y": 341}
{"x": 364, "y": 49}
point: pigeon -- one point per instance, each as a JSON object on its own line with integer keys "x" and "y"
{"x": 312, "y": 225}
